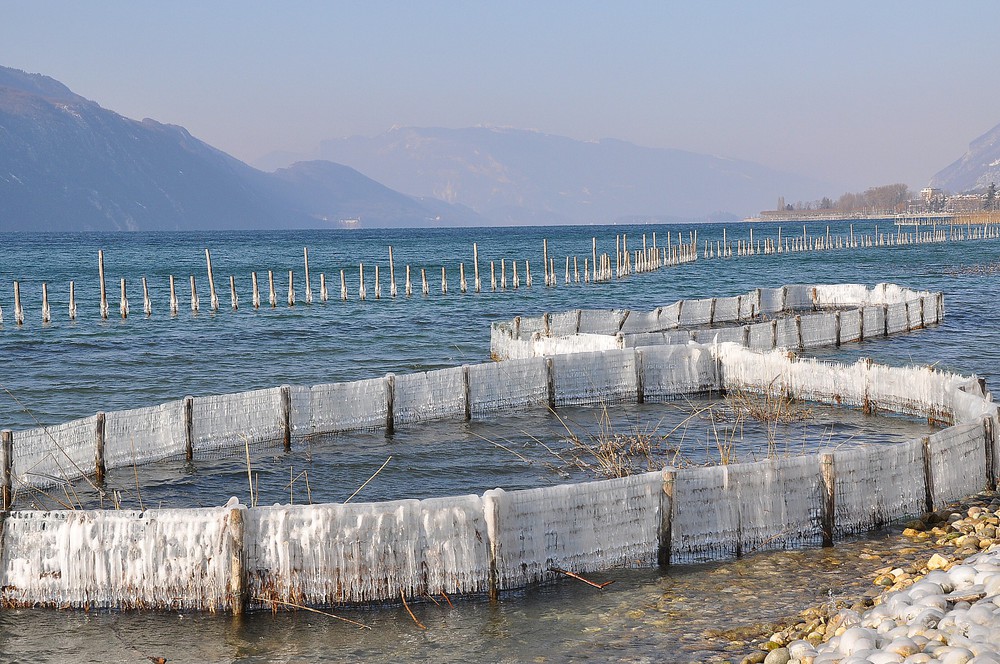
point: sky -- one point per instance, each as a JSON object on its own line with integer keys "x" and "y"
{"x": 853, "y": 93}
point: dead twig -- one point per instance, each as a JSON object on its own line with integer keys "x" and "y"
{"x": 599, "y": 586}
{"x": 402, "y": 595}
{"x": 369, "y": 480}
{"x": 302, "y": 607}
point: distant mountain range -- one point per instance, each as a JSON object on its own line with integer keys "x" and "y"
{"x": 68, "y": 164}
{"x": 517, "y": 176}
{"x": 977, "y": 168}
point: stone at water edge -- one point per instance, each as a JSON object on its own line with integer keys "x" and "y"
{"x": 937, "y": 561}
{"x": 777, "y": 656}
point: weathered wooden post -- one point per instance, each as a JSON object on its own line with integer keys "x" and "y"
{"x": 527, "y": 273}
{"x": 343, "y": 286}
{"x": 493, "y": 275}
{"x": 272, "y": 296}
{"x": 123, "y": 305}
{"x": 232, "y": 292}
{"x": 46, "y": 312}
{"x": 567, "y": 269}
{"x": 324, "y": 295}
{"x": 147, "y": 306}
{"x": 256, "y": 290}
{"x": 194, "y": 296}
{"x": 309, "y": 293}
{"x": 545, "y": 260}
{"x": 475, "y": 260}
{"x": 390, "y": 401}
{"x": 829, "y": 508}
{"x": 238, "y": 587}
{"x": 513, "y": 278}
{"x": 593, "y": 263}
{"x": 362, "y": 292}
{"x": 668, "y": 508}
{"x": 392, "y": 274}
{"x": 378, "y": 284}
{"x": 462, "y": 285}
{"x": 173, "y": 297}
{"x": 444, "y": 281}
{"x": 503, "y": 274}
{"x": 72, "y": 301}
{"x": 409, "y": 284}
{"x": 423, "y": 279}
{"x": 211, "y": 282}
{"x": 99, "y": 434}
{"x": 6, "y": 465}
{"x": 104, "y": 292}
{"x": 18, "y": 309}
{"x": 291, "y": 288}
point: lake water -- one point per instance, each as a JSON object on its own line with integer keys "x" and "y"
{"x": 66, "y": 369}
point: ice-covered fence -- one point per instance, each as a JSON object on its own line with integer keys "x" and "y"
{"x": 334, "y": 554}
{"x": 795, "y": 317}
{"x": 173, "y": 559}
{"x": 235, "y": 558}
{"x": 574, "y": 527}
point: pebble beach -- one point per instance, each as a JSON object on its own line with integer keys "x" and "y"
{"x": 921, "y": 609}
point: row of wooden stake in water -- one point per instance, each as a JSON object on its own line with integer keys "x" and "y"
{"x": 596, "y": 268}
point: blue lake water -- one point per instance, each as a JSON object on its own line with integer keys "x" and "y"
{"x": 67, "y": 369}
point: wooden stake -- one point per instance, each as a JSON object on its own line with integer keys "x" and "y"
{"x": 545, "y": 260}
{"x": 309, "y": 293}
{"x": 147, "y": 306}
{"x": 378, "y": 285}
{"x": 409, "y": 284}
{"x": 256, "y": 290}
{"x": 173, "y": 297}
{"x": 493, "y": 274}
{"x": 343, "y": 286}
{"x": 46, "y": 312}
{"x": 232, "y": 292}
{"x": 475, "y": 260}
{"x": 462, "y": 286}
{"x": 444, "y": 281}
{"x": 503, "y": 274}
{"x": 104, "y": 292}
{"x": 272, "y": 296}
{"x": 362, "y": 293}
{"x": 123, "y": 306}
{"x": 423, "y": 279}
{"x": 194, "y": 296}
{"x": 323, "y": 294}
{"x": 72, "y": 301}
{"x": 211, "y": 282}
{"x": 291, "y": 288}
{"x": 18, "y": 311}
{"x": 392, "y": 274}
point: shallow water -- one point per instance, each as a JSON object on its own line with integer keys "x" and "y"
{"x": 66, "y": 370}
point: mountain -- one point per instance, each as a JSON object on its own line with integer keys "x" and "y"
{"x": 66, "y": 163}
{"x": 976, "y": 169}
{"x": 519, "y": 176}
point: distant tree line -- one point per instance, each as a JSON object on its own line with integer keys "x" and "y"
{"x": 888, "y": 198}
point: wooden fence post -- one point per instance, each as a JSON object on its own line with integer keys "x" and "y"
{"x": 390, "y": 404}
{"x": 189, "y": 428}
{"x": 640, "y": 386}
{"x": 286, "y": 416}
{"x": 550, "y": 372}
{"x": 667, "y": 510}
{"x": 72, "y": 301}
{"x": 194, "y": 296}
{"x": 466, "y": 382}
{"x": 99, "y": 434}
{"x": 238, "y": 586}
{"x": 6, "y": 468}
{"x": 309, "y": 293}
{"x": 928, "y": 477}
{"x": 828, "y": 472}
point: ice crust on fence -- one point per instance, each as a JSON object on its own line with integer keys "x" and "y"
{"x": 876, "y": 485}
{"x": 602, "y": 377}
{"x": 503, "y": 386}
{"x": 429, "y": 395}
{"x": 142, "y": 435}
{"x": 360, "y": 404}
{"x": 178, "y": 559}
{"x": 50, "y": 455}
{"x": 671, "y": 371}
{"x": 323, "y": 555}
{"x": 230, "y": 421}
{"x": 574, "y": 527}
{"x": 865, "y": 313}
{"x": 957, "y": 467}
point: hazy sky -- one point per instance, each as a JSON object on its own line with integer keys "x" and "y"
{"x": 857, "y": 93}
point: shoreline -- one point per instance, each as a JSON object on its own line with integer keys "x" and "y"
{"x": 935, "y": 542}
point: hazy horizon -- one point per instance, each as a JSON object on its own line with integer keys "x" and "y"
{"x": 852, "y": 93}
